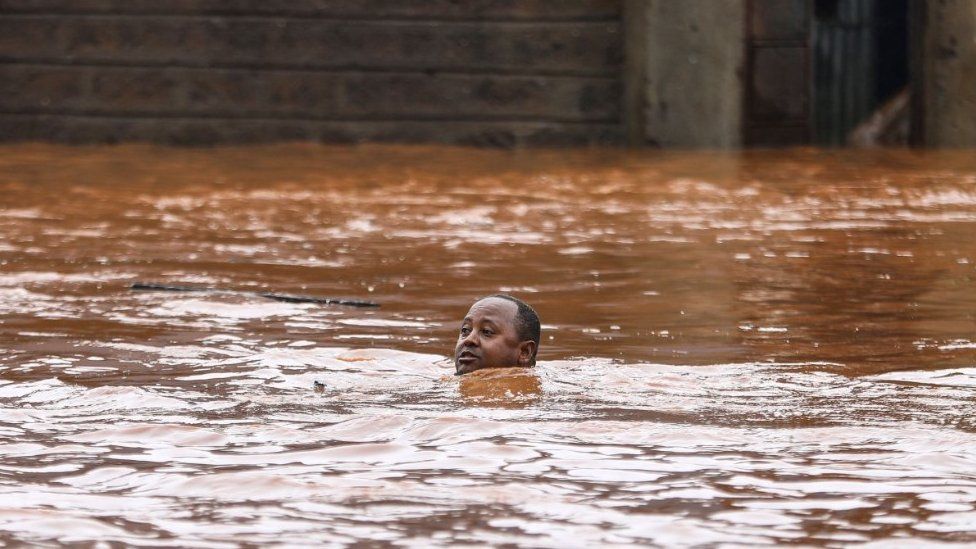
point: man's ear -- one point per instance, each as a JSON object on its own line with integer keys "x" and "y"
{"x": 526, "y": 350}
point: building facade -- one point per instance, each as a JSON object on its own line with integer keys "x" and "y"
{"x": 665, "y": 73}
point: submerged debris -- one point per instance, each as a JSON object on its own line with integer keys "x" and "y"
{"x": 277, "y": 297}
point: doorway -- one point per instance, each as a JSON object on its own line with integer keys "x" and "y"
{"x": 860, "y": 71}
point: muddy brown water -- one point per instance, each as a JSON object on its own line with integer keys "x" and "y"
{"x": 738, "y": 349}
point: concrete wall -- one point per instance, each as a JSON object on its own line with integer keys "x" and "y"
{"x": 946, "y": 77}
{"x": 688, "y": 58}
{"x": 482, "y": 72}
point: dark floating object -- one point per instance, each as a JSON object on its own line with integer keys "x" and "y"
{"x": 277, "y": 297}
{"x": 318, "y": 386}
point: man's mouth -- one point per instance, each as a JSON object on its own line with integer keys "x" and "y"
{"x": 466, "y": 357}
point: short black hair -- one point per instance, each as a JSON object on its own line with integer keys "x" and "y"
{"x": 526, "y": 321}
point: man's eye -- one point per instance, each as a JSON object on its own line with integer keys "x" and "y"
{"x": 487, "y": 332}
{"x": 465, "y": 331}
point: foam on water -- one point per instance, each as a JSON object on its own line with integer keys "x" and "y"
{"x": 750, "y": 452}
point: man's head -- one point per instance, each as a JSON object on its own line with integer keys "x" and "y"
{"x": 498, "y": 331}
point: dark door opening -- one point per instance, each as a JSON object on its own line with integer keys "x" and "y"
{"x": 860, "y": 72}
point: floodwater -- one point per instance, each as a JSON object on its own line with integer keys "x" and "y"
{"x": 738, "y": 350}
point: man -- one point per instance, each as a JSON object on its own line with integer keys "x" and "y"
{"x": 499, "y": 331}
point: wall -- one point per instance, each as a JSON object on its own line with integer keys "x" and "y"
{"x": 777, "y": 75}
{"x": 482, "y": 72}
{"x": 686, "y": 61}
{"x": 946, "y": 74}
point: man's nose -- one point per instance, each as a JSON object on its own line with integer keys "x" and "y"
{"x": 470, "y": 339}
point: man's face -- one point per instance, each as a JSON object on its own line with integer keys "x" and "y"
{"x": 488, "y": 338}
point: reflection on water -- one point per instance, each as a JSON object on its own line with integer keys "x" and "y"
{"x": 771, "y": 347}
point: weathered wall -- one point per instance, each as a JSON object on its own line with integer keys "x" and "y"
{"x": 777, "y": 73}
{"x": 485, "y": 72}
{"x": 948, "y": 74}
{"x": 689, "y": 58}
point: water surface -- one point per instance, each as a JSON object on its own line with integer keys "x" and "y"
{"x": 738, "y": 349}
